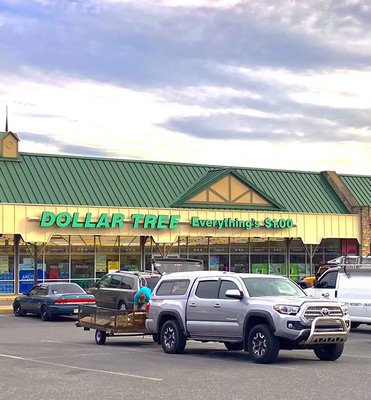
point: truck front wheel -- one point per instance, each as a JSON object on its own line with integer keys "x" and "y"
{"x": 329, "y": 352}
{"x": 263, "y": 346}
{"x": 172, "y": 339}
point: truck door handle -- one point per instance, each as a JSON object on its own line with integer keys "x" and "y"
{"x": 217, "y": 305}
{"x": 325, "y": 294}
{"x": 192, "y": 304}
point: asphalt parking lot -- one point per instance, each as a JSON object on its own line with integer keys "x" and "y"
{"x": 56, "y": 360}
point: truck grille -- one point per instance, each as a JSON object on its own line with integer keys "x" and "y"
{"x": 317, "y": 311}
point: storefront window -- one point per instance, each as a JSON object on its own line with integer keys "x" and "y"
{"x": 240, "y": 245}
{"x": 331, "y": 248}
{"x": 277, "y": 264}
{"x": 130, "y": 253}
{"x": 27, "y": 254}
{"x": 56, "y": 256}
{"x": 219, "y": 262}
{"x": 240, "y": 263}
{"x": 6, "y": 265}
{"x": 107, "y": 256}
{"x": 82, "y": 260}
{"x": 259, "y": 264}
{"x": 299, "y": 268}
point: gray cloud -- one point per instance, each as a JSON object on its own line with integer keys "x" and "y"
{"x": 241, "y": 127}
{"x": 154, "y": 46}
{"x": 71, "y": 149}
{"x": 169, "y": 49}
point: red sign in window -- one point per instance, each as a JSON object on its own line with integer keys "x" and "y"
{"x": 349, "y": 246}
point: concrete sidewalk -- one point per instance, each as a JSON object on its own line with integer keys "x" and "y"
{"x": 6, "y": 304}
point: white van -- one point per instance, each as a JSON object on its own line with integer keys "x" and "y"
{"x": 351, "y": 284}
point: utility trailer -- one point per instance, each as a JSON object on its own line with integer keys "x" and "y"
{"x": 110, "y": 322}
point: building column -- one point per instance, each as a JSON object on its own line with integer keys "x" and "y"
{"x": 365, "y": 219}
{"x": 17, "y": 239}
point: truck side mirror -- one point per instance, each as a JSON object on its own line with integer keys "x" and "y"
{"x": 234, "y": 294}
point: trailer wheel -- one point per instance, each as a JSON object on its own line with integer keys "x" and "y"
{"x": 100, "y": 337}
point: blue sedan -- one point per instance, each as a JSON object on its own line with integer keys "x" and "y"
{"x": 52, "y": 299}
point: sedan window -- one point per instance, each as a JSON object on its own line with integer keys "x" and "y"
{"x": 65, "y": 288}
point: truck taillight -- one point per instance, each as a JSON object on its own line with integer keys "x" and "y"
{"x": 148, "y": 306}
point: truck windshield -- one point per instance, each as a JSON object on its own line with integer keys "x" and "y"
{"x": 258, "y": 287}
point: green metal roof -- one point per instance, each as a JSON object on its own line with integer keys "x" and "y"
{"x": 360, "y": 187}
{"x": 70, "y": 180}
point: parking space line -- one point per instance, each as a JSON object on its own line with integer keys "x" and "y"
{"x": 81, "y": 368}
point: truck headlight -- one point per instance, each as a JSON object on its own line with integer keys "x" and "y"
{"x": 345, "y": 309}
{"x": 285, "y": 309}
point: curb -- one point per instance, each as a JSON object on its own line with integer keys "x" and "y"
{"x": 6, "y": 310}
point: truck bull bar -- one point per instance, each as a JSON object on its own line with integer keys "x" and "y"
{"x": 321, "y": 332}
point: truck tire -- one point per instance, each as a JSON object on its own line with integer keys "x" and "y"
{"x": 354, "y": 325}
{"x": 329, "y": 352}
{"x": 233, "y": 345}
{"x": 172, "y": 339}
{"x": 263, "y": 346}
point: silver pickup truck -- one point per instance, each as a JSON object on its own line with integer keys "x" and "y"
{"x": 260, "y": 314}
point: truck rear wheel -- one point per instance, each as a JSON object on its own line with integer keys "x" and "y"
{"x": 172, "y": 339}
{"x": 263, "y": 346}
{"x": 329, "y": 352}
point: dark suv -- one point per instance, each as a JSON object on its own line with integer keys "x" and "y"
{"x": 117, "y": 289}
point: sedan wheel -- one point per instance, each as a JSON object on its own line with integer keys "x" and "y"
{"x": 45, "y": 316}
{"x": 17, "y": 309}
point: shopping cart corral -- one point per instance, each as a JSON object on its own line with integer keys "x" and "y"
{"x": 110, "y": 322}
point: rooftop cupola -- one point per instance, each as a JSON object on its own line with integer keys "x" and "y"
{"x": 8, "y": 142}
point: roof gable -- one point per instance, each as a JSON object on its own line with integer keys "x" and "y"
{"x": 226, "y": 188}
{"x": 3, "y": 135}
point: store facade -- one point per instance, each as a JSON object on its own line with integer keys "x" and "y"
{"x": 76, "y": 218}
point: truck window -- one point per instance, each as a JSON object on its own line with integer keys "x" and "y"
{"x": 173, "y": 288}
{"x": 207, "y": 289}
{"x": 224, "y": 286}
{"x": 328, "y": 280}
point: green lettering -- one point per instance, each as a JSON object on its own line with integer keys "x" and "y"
{"x": 136, "y": 218}
{"x": 63, "y": 219}
{"x": 117, "y": 219}
{"x": 195, "y": 221}
{"x": 88, "y": 223}
{"x": 75, "y": 221}
{"x": 162, "y": 222}
{"x": 209, "y": 223}
{"x": 174, "y": 221}
{"x": 47, "y": 218}
{"x": 150, "y": 221}
{"x": 103, "y": 221}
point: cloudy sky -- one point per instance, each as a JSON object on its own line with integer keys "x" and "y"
{"x": 258, "y": 83}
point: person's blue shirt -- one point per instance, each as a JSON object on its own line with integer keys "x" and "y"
{"x": 143, "y": 290}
